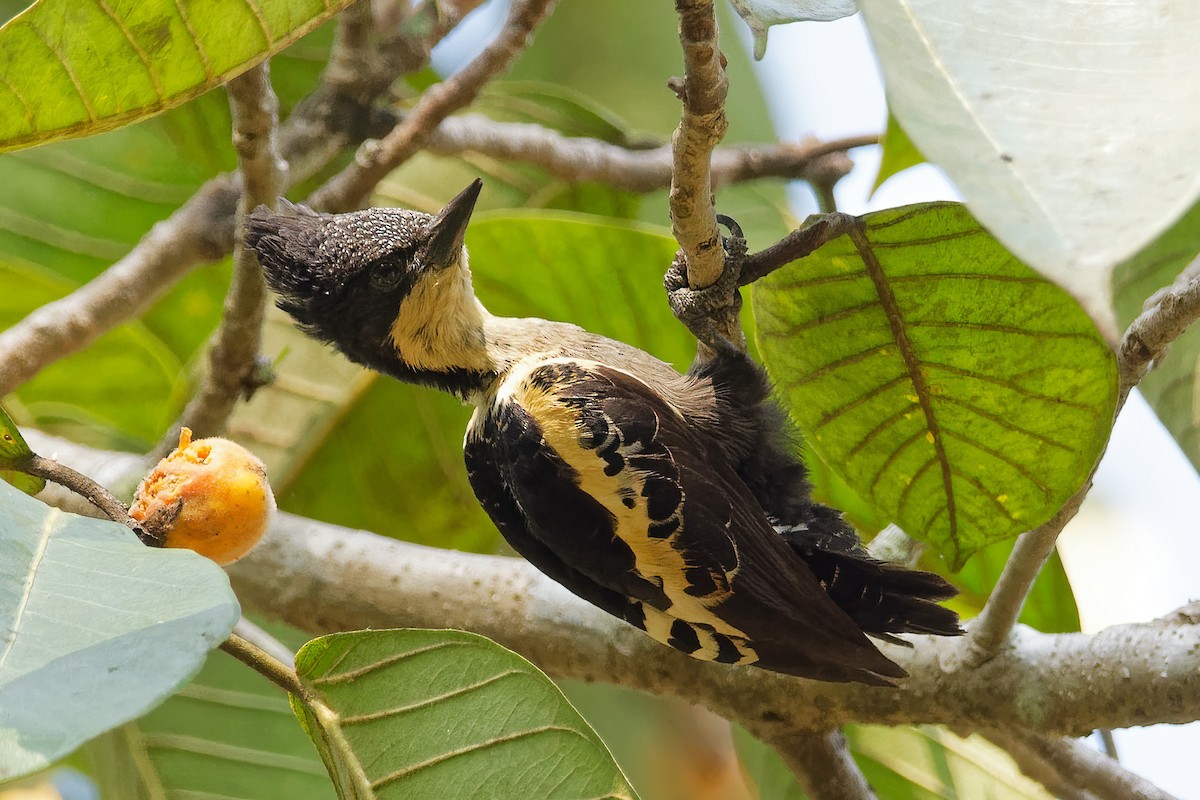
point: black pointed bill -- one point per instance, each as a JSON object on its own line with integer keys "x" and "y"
{"x": 446, "y": 231}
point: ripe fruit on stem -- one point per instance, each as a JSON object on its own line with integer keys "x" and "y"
{"x": 210, "y": 496}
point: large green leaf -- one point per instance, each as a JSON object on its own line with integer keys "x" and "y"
{"x": 13, "y": 448}
{"x": 390, "y": 460}
{"x": 1171, "y": 387}
{"x": 952, "y": 387}
{"x": 72, "y": 68}
{"x": 228, "y": 733}
{"x": 434, "y": 714}
{"x": 101, "y": 628}
{"x": 1070, "y": 128}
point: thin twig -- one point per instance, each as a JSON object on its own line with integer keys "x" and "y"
{"x": 702, "y": 126}
{"x": 264, "y": 641}
{"x": 1080, "y": 766}
{"x": 266, "y": 665}
{"x": 1169, "y": 314}
{"x": 797, "y": 244}
{"x": 233, "y": 356}
{"x": 350, "y": 187}
{"x": 577, "y": 158}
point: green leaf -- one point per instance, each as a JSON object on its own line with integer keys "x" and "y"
{"x": 102, "y": 628}
{"x": 1020, "y": 109}
{"x": 949, "y": 385}
{"x": 13, "y": 448}
{"x": 228, "y": 733}
{"x": 73, "y": 68}
{"x": 899, "y": 153}
{"x": 389, "y": 455}
{"x": 1170, "y": 387}
{"x": 928, "y": 762}
{"x": 433, "y": 714}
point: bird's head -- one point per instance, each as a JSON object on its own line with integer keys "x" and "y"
{"x": 389, "y": 287}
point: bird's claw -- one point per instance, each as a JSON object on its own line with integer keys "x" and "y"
{"x": 702, "y": 310}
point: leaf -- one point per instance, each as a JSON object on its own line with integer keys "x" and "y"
{"x": 13, "y": 448}
{"x": 71, "y": 68}
{"x": 387, "y": 456}
{"x": 228, "y": 733}
{"x": 759, "y": 15}
{"x": 1070, "y": 128}
{"x": 950, "y": 386}
{"x": 433, "y": 714}
{"x": 931, "y": 762}
{"x": 101, "y": 628}
{"x": 899, "y": 153}
{"x": 1171, "y": 387}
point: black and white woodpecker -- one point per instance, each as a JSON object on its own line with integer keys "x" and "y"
{"x": 670, "y": 501}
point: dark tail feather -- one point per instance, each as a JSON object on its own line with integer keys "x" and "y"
{"x": 882, "y": 598}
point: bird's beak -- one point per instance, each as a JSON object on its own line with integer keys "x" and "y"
{"x": 444, "y": 236}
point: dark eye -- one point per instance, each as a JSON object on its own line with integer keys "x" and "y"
{"x": 386, "y": 276}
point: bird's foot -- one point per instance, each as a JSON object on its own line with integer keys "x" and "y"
{"x": 705, "y": 312}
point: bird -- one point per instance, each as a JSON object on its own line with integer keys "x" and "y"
{"x": 675, "y": 502}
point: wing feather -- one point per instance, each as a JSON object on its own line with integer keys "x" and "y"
{"x": 610, "y": 487}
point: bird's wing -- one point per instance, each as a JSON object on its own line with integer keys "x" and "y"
{"x": 604, "y": 485}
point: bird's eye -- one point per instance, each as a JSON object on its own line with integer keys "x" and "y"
{"x": 386, "y": 276}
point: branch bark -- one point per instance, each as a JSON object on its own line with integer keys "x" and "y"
{"x": 233, "y": 355}
{"x": 349, "y": 188}
{"x": 822, "y": 764}
{"x": 701, "y": 128}
{"x": 1055, "y": 684}
{"x": 1092, "y": 774}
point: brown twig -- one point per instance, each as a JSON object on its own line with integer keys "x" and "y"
{"x": 702, "y": 126}
{"x": 233, "y": 356}
{"x": 266, "y": 665}
{"x": 578, "y": 159}
{"x": 350, "y": 187}
{"x": 797, "y": 244}
{"x": 80, "y": 484}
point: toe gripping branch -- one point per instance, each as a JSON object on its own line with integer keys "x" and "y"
{"x": 710, "y": 311}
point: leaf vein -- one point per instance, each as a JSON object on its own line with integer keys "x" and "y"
{"x": 137, "y": 48}
{"x": 384, "y": 713}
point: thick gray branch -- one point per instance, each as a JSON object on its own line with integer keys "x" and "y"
{"x": 1061, "y": 684}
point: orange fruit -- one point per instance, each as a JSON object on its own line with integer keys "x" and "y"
{"x": 210, "y": 496}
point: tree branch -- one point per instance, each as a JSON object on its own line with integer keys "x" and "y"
{"x": 1064, "y": 684}
{"x": 822, "y": 764}
{"x": 702, "y": 126}
{"x": 1091, "y": 772}
{"x": 233, "y": 356}
{"x": 577, "y": 159}
{"x": 349, "y": 188}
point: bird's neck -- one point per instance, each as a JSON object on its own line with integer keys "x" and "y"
{"x": 445, "y": 338}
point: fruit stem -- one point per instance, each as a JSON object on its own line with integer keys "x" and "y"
{"x": 81, "y": 484}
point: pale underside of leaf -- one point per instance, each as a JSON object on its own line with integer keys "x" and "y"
{"x": 1069, "y": 127}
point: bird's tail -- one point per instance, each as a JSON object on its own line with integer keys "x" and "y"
{"x": 882, "y": 598}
